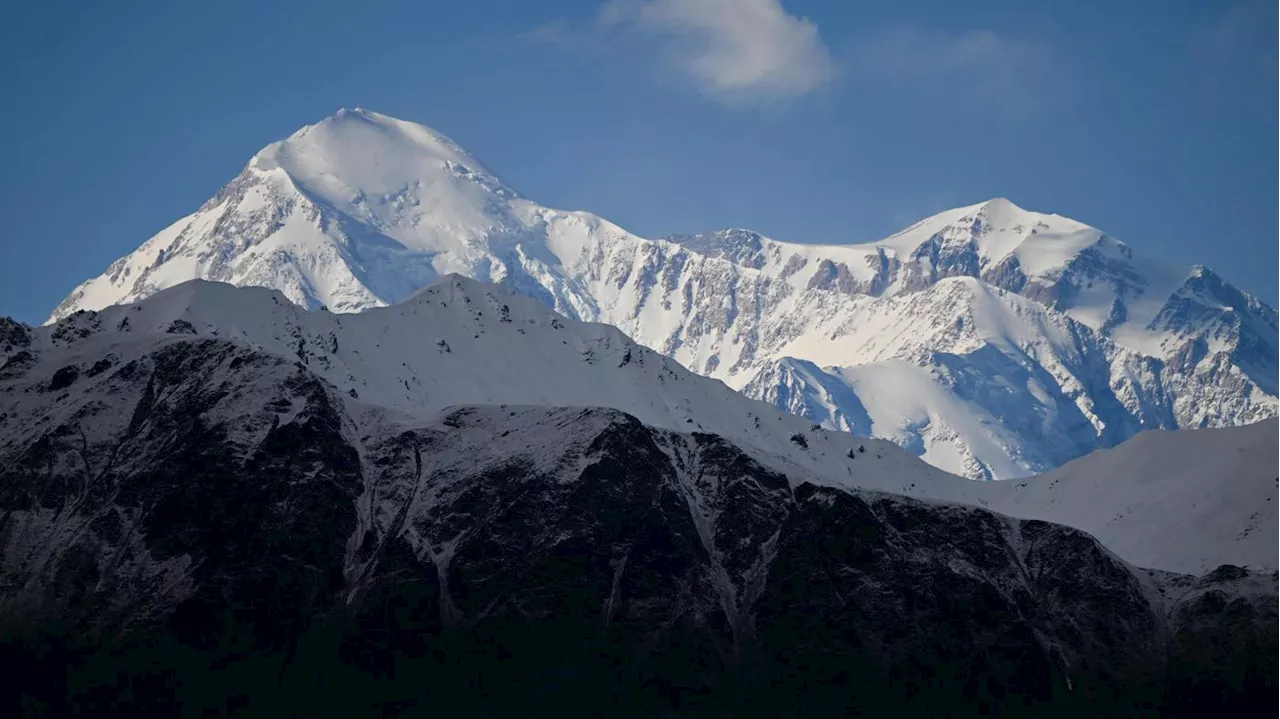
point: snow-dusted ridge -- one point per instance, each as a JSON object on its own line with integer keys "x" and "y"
{"x": 461, "y": 342}
{"x": 993, "y": 341}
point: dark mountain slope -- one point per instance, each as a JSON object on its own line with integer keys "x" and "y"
{"x": 249, "y": 541}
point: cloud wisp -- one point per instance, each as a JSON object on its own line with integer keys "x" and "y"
{"x": 552, "y": 32}
{"x": 1013, "y": 74}
{"x": 734, "y": 49}
{"x": 1241, "y": 37}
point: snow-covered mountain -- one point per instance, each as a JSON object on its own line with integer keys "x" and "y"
{"x": 469, "y": 499}
{"x": 456, "y": 342}
{"x": 459, "y": 342}
{"x": 990, "y": 340}
{"x": 196, "y": 502}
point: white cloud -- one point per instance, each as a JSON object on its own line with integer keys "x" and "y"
{"x": 735, "y": 49}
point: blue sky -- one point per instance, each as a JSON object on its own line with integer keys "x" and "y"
{"x": 816, "y": 121}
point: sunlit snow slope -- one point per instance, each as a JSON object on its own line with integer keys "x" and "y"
{"x": 990, "y": 340}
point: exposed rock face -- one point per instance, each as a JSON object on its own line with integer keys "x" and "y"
{"x": 15, "y": 338}
{"x": 249, "y": 540}
{"x": 1213, "y": 644}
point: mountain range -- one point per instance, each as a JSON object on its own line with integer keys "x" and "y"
{"x": 461, "y": 342}
{"x": 217, "y": 501}
{"x": 992, "y": 341}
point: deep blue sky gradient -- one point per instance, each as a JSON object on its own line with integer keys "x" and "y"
{"x": 1154, "y": 121}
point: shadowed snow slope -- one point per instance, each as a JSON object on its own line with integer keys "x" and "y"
{"x": 1221, "y": 483}
{"x": 993, "y": 341}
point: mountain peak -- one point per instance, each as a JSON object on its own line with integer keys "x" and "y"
{"x": 997, "y": 228}
{"x": 406, "y": 180}
{"x": 458, "y": 284}
{"x": 1001, "y": 211}
{"x": 343, "y": 111}
{"x": 359, "y": 137}
{"x": 1000, "y": 204}
{"x": 353, "y": 114}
